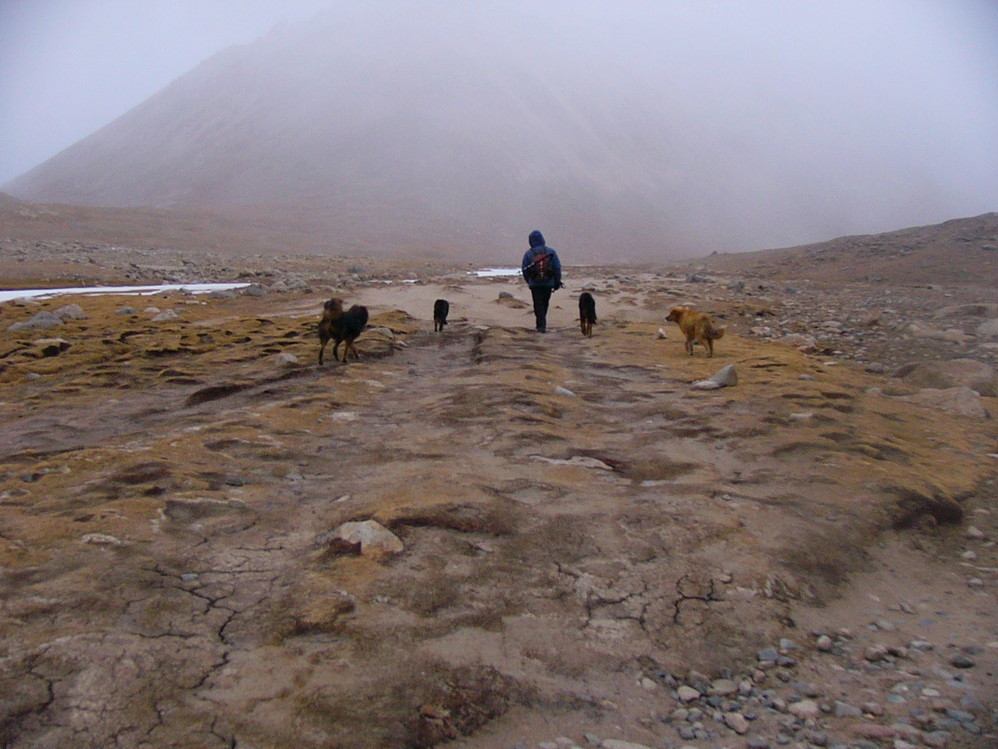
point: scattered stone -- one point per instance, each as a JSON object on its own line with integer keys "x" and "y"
{"x": 873, "y": 708}
{"x": 582, "y": 461}
{"x": 374, "y": 539}
{"x": 51, "y": 346}
{"x": 825, "y": 643}
{"x": 875, "y": 731}
{"x": 661, "y": 333}
{"x": 845, "y": 710}
{"x": 687, "y": 694}
{"x": 973, "y": 532}
{"x": 70, "y": 312}
{"x": 960, "y": 400}
{"x": 286, "y": 359}
{"x": 936, "y": 739}
{"x": 125, "y": 311}
{"x": 100, "y": 539}
{"x": 564, "y": 391}
{"x": 767, "y": 655}
{"x": 960, "y": 660}
{"x": 39, "y": 321}
{"x": 944, "y": 375}
{"x": 166, "y": 315}
{"x": 736, "y": 722}
{"x": 805, "y": 709}
{"x": 722, "y": 687}
{"x": 875, "y": 653}
{"x": 725, "y": 377}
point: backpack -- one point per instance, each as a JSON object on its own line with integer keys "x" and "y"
{"x": 542, "y": 269}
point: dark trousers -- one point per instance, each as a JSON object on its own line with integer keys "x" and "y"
{"x": 542, "y": 297}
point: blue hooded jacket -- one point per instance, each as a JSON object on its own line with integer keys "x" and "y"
{"x": 537, "y": 247}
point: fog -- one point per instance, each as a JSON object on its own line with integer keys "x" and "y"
{"x": 736, "y": 125}
{"x": 67, "y": 67}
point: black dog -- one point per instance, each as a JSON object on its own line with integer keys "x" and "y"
{"x": 441, "y": 308}
{"x": 587, "y": 313}
{"x": 340, "y": 326}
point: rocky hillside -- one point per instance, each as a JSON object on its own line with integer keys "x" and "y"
{"x": 963, "y": 251}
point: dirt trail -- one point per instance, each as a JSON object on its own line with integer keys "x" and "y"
{"x": 574, "y": 517}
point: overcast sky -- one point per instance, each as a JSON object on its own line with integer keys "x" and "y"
{"x": 904, "y": 91}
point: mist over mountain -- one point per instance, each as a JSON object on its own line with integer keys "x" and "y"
{"x": 460, "y": 129}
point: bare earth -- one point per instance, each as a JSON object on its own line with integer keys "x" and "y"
{"x": 593, "y": 551}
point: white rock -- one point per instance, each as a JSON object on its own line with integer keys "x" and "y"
{"x": 374, "y": 538}
{"x": 100, "y": 539}
{"x": 564, "y": 391}
{"x": 805, "y": 709}
{"x": 576, "y": 460}
{"x": 736, "y": 722}
{"x": 725, "y": 377}
{"x": 661, "y": 333}
{"x": 687, "y": 693}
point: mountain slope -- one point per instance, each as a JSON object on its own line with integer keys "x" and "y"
{"x": 436, "y": 144}
{"x": 963, "y": 250}
{"x": 622, "y": 132}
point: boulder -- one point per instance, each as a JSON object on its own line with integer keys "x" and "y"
{"x": 372, "y": 537}
{"x": 725, "y": 377}
{"x": 40, "y": 321}
{"x": 70, "y": 312}
{"x": 988, "y": 330}
{"x": 51, "y": 346}
{"x": 961, "y": 401}
{"x": 955, "y": 373}
{"x": 801, "y": 342}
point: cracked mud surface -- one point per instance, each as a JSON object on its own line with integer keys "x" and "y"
{"x": 166, "y": 489}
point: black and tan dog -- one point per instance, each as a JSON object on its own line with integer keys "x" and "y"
{"x": 696, "y": 326}
{"x": 441, "y": 308}
{"x": 587, "y": 313}
{"x": 341, "y": 327}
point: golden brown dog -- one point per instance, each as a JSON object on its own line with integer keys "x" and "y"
{"x": 696, "y": 326}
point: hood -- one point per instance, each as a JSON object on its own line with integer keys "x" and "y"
{"x": 536, "y": 239}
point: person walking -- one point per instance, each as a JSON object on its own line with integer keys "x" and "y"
{"x": 541, "y": 269}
